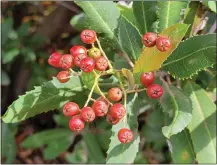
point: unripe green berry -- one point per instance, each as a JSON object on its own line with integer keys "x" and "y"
{"x": 94, "y": 53}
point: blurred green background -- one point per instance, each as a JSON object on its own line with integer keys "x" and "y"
{"x": 31, "y": 31}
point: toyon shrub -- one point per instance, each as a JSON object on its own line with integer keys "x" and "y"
{"x": 144, "y": 63}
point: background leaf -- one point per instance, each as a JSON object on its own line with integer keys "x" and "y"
{"x": 145, "y": 14}
{"x": 130, "y": 39}
{"x": 169, "y": 13}
{"x": 211, "y": 5}
{"x": 192, "y": 56}
{"x": 8, "y": 142}
{"x": 125, "y": 153}
{"x": 5, "y": 80}
{"x": 94, "y": 150}
{"x": 151, "y": 59}
{"x": 49, "y": 96}
{"x": 178, "y": 106}
{"x": 56, "y": 141}
{"x": 181, "y": 148}
{"x": 203, "y": 124}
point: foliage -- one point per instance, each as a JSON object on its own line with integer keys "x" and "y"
{"x": 183, "y": 119}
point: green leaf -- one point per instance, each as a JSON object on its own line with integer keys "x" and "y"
{"x": 45, "y": 137}
{"x": 61, "y": 120}
{"x": 130, "y": 39}
{"x": 5, "y": 80}
{"x": 177, "y": 105}
{"x": 125, "y": 153}
{"x": 79, "y": 21}
{"x": 49, "y": 96}
{"x": 8, "y": 146}
{"x": 102, "y": 17}
{"x": 203, "y": 124}
{"x": 145, "y": 13}
{"x": 9, "y": 55}
{"x": 192, "y": 16}
{"x": 152, "y": 131}
{"x": 151, "y": 59}
{"x": 199, "y": 53}
{"x": 94, "y": 150}
{"x": 127, "y": 13}
{"x": 120, "y": 62}
{"x": 181, "y": 148}
{"x": 211, "y": 5}
{"x": 56, "y": 141}
{"x": 169, "y": 13}
{"x": 88, "y": 79}
{"x": 22, "y": 31}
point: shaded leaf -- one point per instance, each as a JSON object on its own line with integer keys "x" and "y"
{"x": 145, "y": 14}
{"x": 178, "y": 106}
{"x": 151, "y": 59}
{"x": 9, "y": 55}
{"x": 181, "y": 148}
{"x": 125, "y": 153}
{"x": 94, "y": 150}
{"x": 192, "y": 56}
{"x": 8, "y": 146}
{"x": 130, "y": 39}
{"x": 203, "y": 124}
{"x": 6, "y": 28}
{"x": 49, "y": 96}
{"x": 169, "y": 13}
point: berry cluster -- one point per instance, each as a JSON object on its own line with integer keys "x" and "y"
{"x": 151, "y": 39}
{"x": 88, "y": 60}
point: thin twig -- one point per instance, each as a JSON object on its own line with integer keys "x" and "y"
{"x": 136, "y": 90}
{"x": 103, "y": 53}
{"x": 74, "y": 73}
{"x": 127, "y": 58}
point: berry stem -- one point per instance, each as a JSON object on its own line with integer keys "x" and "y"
{"x": 136, "y": 90}
{"x": 103, "y": 53}
{"x": 92, "y": 99}
{"x": 74, "y": 73}
{"x": 127, "y": 58}
{"x": 92, "y": 89}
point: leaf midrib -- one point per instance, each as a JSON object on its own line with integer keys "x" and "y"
{"x": 202, "y": 115}
{"x": 187, "y": 56}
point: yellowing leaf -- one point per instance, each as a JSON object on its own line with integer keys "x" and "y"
{"x": 151, "y": 59}
{"x": 129, "y": 76}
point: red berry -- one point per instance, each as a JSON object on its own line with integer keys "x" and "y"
{"x": 101, "y": 63}
{"x": 78, "y": 58}
{"x": 111, "y": 120}
{"x": 76, "y": 50}
{"x": 163, "y": 44}
{"x": 87, "y": 114}
{"x": 88, "y": 36}
{"x": 66, "y": 61}
{"x": 71, "y": 109}
{"x": 76, "y": 124}
{"x": 54, "y": 59}
{"x": 100, "y": 108}
{"x": 102, "y": 99}
{"x": 154, "y": 91}
{"x": 114, "y": 94}
{"x": 87, "y": 64}
{"x": 149, "y": 39}
{"x": 63, "y": 76}
{"x": 125, "y": 135}
{"x": 117, "y": 111}
{"x": 147, "y": 78}
{"x": 94, "y": 53}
